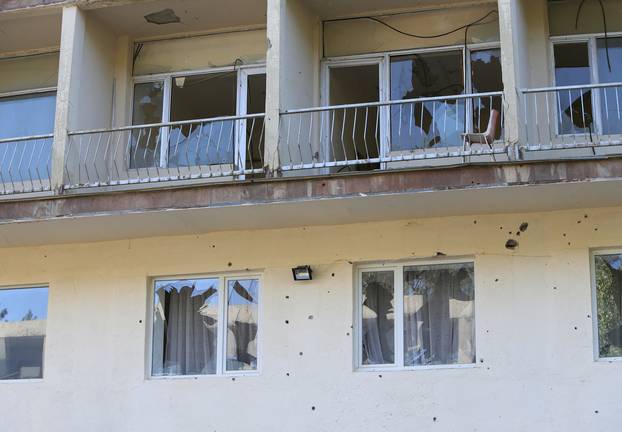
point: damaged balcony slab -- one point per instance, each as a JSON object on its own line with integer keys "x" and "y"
{"x": 330, "y": 200}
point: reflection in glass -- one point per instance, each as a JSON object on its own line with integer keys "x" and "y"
{"x": 608, "y": 273}
{"x": 611, "y": 98}
{"x": 378, "y": 314}
{"x": 147, "y": 109}
{"x": 574, "y": 107}
{"x": 199, "y": 97}
{"x": 185, "y": 327}
{"x": 23, "y": 316}
{"x": 242, "y": 311}
{"x": 429, "y": 124}
{"x": 23, "y": 116}
{"x": 439, "y": 315}
{"x": 486, "y": 77}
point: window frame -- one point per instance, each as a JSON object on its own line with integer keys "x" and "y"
{"x": 383, "y": 59}
{"x": 591, "y": 40}
{"x": 596, "y": 345}
{"x": 398, "y": 269}
{"x": 45, "y": 285}
{"x": 221, "y": 342}
{"x": 242, "y": 74}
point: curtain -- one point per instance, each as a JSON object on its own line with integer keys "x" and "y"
{"x": 189, "y": 330}
{"x": 378, "y": 318}
{"x": 438, "y": 315}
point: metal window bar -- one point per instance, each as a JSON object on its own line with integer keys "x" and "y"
{"x": 351, "y": 135}
{"x": 222, "y": 147}
{"x": 571, "y": 117}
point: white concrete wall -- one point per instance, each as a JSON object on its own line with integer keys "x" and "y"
{"x": 535, "y": 359}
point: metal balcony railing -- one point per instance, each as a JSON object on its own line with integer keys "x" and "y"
{"x": 25, "y": 164}
{"x": 578, "y": 116}
{"x": 223, "y": 147}
{"x": 381, "y": 134}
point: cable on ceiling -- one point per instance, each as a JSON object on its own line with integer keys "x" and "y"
{"x": 602, "y": 10}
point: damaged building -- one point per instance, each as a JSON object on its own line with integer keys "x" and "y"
{"x": 310, "y": 215}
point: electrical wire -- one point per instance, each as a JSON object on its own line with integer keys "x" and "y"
{"x": 602, "y": 10}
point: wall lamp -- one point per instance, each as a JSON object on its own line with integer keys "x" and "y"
{"x": 302, "y": 273}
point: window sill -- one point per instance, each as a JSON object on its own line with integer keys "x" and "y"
{"x": 228, "y": 375}
{"x": 604, "y": 360}
{"x": 391, "y": 368}
{"x": 21, "y": 381}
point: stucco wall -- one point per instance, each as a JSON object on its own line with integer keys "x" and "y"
{"x": 535, "y": 370}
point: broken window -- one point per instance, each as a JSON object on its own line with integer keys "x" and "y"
{"x": 431, "y": 305}
{"x": 23, "y": 315}
{"x": 188, "y": 98}
{"x": 486, "y": 77}
{"x": 205, "y": 326}
{"x": 608, "y": 280}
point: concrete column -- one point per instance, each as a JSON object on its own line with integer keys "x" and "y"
{"x": 71, "y": 47}
{"x": 524, "y": 38}
{"x": 293, "y": 63}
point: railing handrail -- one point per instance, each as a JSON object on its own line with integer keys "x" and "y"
{"x": 392, "y": 102}
{"x": 167, "y": 124}
{"x": 26, "y": 138}
{"x": 572, "y": 87}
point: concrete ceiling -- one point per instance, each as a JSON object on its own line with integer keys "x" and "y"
{"x": 513, "y": 199}
{"x": 195, "y": 16}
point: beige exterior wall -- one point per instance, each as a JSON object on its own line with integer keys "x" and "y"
{"x": 535, "y": 350}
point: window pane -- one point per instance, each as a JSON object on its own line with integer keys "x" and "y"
{"x": 611, "y": 97}
{"x": 199, "y": 97}
{"x": 608, "y": 269}
{"x": 353, "y": 134}
{"x": 23, "y": 316}
{"x": 486, "y": 77}
{"x": 439, "y": 315}
{"x": 431, "y": 124}
{"x": 23, "y": 116}
{"x": 255, "y": 104}
{"x": 185, "y": 327}
{"x": 145, "y": 148}
{"x": 242, "y": 310}
{"x": 378, "y": 316}
{"x": 574, "y": 107}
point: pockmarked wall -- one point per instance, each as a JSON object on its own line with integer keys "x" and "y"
{"x": 535, "y": 365}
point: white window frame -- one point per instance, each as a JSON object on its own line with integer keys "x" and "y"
{"x": 590, "y": 39}
{"x": 383, "y": 59}
{"x": 242, "y": 72}
{"x": 221, "y": 342}
{"x": 398, "y": 268}
{"x": 43, "y": 351}
{"x": 593, "y": 254}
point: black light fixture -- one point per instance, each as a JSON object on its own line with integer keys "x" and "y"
{"x": 302, "y": 273}
{"x": 165, "y": 16}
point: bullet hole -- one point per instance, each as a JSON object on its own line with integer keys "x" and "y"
{"x": 438, "y": 254}
{"x": 596, "y": 412}
{"x": 287, "y": 297}
{"x": 233, "y": 379}
{"x": 350, "y": 262}
{"x": 348, "y": 334}
{"x": 310, "y": 317}
{"x": 576, "y": 328}
{"x": 300, "y": 353}
{"x": 518, "y": 233}
{"x": 595, "y": 229}
{"x": 501, "y": 228}
{"x": 578, "y": 221}
{"x": 481, "y": 360}
{"x": 585, "y": 216}
{"x": 554, "y": 287}
{"x": 487, "y": 331}
{"x": 379, "y": 376}
{"x": 229, "y": 264}
{"x": 564, "y": 234}
{"x": 474, "y": 222}
{"x": 496, "y": 280}
{"x": 511, "y": 244}
{"x": 589, "y": 316}
{"x": 433, "y": 419}
{"x": 287, "y": 374}
{"x": 213, "y": 246}
{"x": 286, "y": 321}
{"x": 332, "y": 274}
{"x": 328, "y": 292}
{"x": 523, "y": 227}
{"x": 312, "y": 408}
{"x": 323, "y": 184}
{"x": 568, "y": 243}
{"x": 140, "y": 321}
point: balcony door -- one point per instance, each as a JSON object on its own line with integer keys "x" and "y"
{"x": 192, "y": 118}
